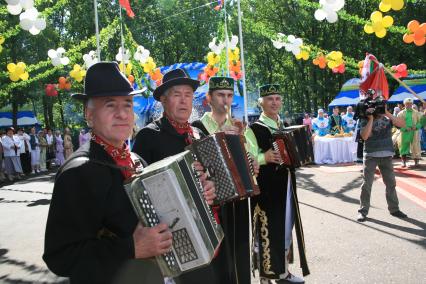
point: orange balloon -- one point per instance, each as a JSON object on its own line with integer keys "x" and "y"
{"x": 62, "y": 80}
{"x": 408, "y": 38}
{"x": 420, "y": 42}
{"x": 131, "y": 78}
{"x": 422, "y": 27}
{"x": 413, "y": 25}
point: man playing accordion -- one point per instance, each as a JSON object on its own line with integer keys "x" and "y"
{"x": 93, "y": 234}
{"x": 275, "y": 210}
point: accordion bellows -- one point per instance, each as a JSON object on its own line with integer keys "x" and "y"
{"x": 169, "y": 191}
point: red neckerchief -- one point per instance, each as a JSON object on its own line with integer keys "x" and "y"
{"x": 182, "y": 128}
{"x": 121, "y": 156}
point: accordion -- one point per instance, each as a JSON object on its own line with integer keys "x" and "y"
{"x": 229, "y": 165}
{"x": 303, "y": 140}
{"x": 294, "y": 145}
{"x": 169, "y": 192}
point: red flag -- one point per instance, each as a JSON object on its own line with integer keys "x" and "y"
{"x": 126, "y": 5}
{"x": 375, "y": 80}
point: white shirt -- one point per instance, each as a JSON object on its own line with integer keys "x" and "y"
{"x": 8, "y": 143}
{"x": 25, "y": 138}
{"x": 49, "y": 139}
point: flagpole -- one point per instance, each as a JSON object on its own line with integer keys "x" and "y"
{"x": 399, "y": 80}
{"x": 240, "y": 31}
{"x": 98, "y": 48}
{"x": 226, "y": 39}
{"x": 122, "y": 42}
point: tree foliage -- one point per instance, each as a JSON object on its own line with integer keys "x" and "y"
{"x": 180, "y": 30}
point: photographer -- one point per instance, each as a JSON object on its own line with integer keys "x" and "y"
{"x": 376, "y": 131}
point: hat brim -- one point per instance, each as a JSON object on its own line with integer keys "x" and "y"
{"x": 159, "y": 91}
{"x": 84, "y": 97}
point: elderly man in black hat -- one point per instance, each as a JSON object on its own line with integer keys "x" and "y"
{"x": 276, "y": 209}
{"x": 168, "y": 136}
{"x": 92, "y": 231}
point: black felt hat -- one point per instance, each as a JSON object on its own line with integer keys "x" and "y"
{"x": 104, "y": 79}
{"x": 221, "y": 83}
{"x": 174, "y": 78}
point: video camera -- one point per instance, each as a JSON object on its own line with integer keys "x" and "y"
{"x": 376, "y": 103}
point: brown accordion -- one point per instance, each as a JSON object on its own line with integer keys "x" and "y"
{"x": 228, "y": 164}
{"x": 294, "y": 145}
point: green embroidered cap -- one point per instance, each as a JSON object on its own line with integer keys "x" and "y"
{"x": 221, "y": 83}
{"x": 271, "y": 89}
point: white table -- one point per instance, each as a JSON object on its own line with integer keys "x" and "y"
{"x": 334, "y": 150}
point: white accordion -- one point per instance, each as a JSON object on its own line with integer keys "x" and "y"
{"x": 169, "y": 192}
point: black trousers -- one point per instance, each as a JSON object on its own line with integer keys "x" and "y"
{"x": 26, "y": 162}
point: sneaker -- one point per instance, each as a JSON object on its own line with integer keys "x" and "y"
{"x": 291, "y": 279}
{"x": 399, "y": 214}
{"x": 361, "y": 217}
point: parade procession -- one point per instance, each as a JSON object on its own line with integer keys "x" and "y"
{"x": 222, "y": 142}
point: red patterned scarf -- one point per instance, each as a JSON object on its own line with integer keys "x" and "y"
{"x": 182, "y": 129}
{"x": 121, "y": 156}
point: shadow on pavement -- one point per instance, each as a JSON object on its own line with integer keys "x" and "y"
{"x": 305, "y": 181}
{"x": 419, "y": 232}
{"x": 39, "y": 202}
{"x": 26, "y": 191}
{"x": 32, "y": 269}
{"x": 421, "y": 243}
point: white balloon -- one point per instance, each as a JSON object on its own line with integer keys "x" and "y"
{"x": 40, "y": 23}
{"x": 34, "y": 31}
{"x": 291, "y": 38}
{"x": 52, "y": 53}
{"x": 27, "y": 4}
{"x": 320, "y": 15}
{"x": 65, "y": 60}
{"x": 60, "y": 51}
{"x": 277, "y": 44}
{"x": 26, "y": 24}
{"x": 56, "y": 61}
{"x": 12, "y": 2}
{"x": 31, "y": 14}
{"x": 14, "y": 9}
{"x": 332, "y": 17}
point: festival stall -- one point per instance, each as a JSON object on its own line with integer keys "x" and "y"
{"x": 25, "y": 118}
{"x": 418, "y": 85}
{"x": 348, "y": 95}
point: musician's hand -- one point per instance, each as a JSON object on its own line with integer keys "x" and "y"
{"x": 272, "y": 156}
{"x": 153, "y": 241}
{"x": 209, "y": 191}
{"x": 208, "y": 186}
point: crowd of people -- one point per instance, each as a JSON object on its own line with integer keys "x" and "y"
{"x": 24, "y": 152}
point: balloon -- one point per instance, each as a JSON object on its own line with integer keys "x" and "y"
{"x": 387, "y": 21}
{"x": 14, "y": 9}
{"x": 381, "y": 33}
{"x": 376, "y": 16}
{"x": 368, "y": 29}
{"x": 17, "y": 71}
{"x": 397, "y": 4}
{"x": 384, "y": 7}
{"x": 416, "y": 33}
{"x": 131, "y": 78}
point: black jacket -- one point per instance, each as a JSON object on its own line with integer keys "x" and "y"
{"x": 159, "y": 140}
{"x": 89, "y": 231}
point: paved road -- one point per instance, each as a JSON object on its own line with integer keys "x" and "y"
{"x": 384, "y": 249}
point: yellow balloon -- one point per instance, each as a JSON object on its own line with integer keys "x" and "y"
{"x": 387, "y": 21}
{"x": 397, "y": 4}
{"x": 376, "y": 16}
{"x": 384, "y": 7}
{"x": 24, "y": 76}
{"x": 368, "y": 29}
{"x": 1, "y": 40}
{"x": 14, "y": 77}
{"x": 339, "y": 54}
{"x": 387, "y": 2}
{"x": 299, "y": 56}
{"x": 381, "y": 33}
{"x": 11, "y": 67}
{"x": 378, "y": 26}
{"x": 331, "y": 64}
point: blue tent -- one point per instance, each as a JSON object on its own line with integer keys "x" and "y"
{"x": 417, "y": 85}
{"x": 148, "y": 109}
{"x": 25, "y": 118}
{"x": 348, "y": 95}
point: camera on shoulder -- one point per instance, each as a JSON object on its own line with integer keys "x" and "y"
{"x": 372, "y": 105}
